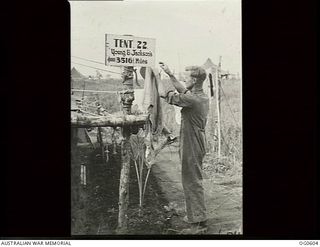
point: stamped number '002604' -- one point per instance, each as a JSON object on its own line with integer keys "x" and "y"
{"x": 306, "y": 242}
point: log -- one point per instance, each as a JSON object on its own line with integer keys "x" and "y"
{"x": 124, "y": 184}
{"x": 80, "y": 121}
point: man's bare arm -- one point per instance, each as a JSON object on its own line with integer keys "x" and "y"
{"x": 177, "y": 85}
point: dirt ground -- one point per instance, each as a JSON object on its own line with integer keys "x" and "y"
{"x": 223, "y": 195}
{"x": 95, "y": 208}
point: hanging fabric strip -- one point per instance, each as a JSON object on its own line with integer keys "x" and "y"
{"x": 151, "y": 99}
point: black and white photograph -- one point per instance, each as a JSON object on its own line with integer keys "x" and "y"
{"x": 156, "y": 118}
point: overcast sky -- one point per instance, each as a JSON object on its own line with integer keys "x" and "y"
{"x": 186, "y": 32}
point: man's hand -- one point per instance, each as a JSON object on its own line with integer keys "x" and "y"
{"x": 165, "y": 68}
{"x": 174, "y": 82}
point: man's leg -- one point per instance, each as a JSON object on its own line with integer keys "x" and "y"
{"x": 193, "y": 190}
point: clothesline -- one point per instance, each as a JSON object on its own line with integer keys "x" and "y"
{"x": 96, "y": 68}
{"x": 89, "y": 60}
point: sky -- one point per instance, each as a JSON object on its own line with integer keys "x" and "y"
{"x": 186, "y": 32}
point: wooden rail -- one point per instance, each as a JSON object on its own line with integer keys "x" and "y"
{"x": 81, "y": 121}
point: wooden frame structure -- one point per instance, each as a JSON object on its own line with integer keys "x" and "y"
{"x": 127, "y": 122}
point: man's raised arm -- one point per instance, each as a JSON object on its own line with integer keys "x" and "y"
{"x": 177, "y": 85}
{"x": 180, "y": 98}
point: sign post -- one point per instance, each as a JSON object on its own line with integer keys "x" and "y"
{"x": 127, "y": 97}
{"x": 127, "y": 51}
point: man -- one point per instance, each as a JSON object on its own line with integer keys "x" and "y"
{"x": 195, "y": 107}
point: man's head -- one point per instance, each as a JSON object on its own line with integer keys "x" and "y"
{"x": 194, "y": 77}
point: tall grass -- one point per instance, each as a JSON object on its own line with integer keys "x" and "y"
{"x": 230, "y": 162}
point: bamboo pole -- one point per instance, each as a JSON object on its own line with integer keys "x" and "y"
{"x": 218, "y": 106}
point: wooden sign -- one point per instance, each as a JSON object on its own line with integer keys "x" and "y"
{"x": 123, "y": 50}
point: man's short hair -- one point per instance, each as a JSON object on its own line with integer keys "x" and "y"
{"x": 197, "y": 72}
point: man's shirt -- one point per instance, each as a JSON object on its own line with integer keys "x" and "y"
{"x": 194, "y": 112}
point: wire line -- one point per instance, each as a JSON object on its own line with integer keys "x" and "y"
{"x": 235, "y": 121}
{"x": 96, "y": 68}
{"x": 93, "y": 91}
{"x": 85, "y": 59}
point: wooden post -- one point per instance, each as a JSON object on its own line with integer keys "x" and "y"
{"x": 218, "y": 106}
{"x": 127, "y": 97}
{"x": 99, "y": 134}
{"x": 114, "y": 152}
{"x": 75, "y": 166}
{"x": 84, "y": 88}
{"x": 212, "y": 86}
